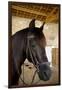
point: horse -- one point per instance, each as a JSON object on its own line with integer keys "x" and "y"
{"x": 30, "y": 43}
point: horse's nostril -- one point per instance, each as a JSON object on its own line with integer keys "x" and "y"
{"x": 45, "y": 74}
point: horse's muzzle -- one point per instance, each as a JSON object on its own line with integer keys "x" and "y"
{"x": 44, "y": 72}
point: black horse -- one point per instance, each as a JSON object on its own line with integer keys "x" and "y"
{"x": 30, "y": 43}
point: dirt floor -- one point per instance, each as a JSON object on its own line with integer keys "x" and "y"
{"x": 28, "y": 72}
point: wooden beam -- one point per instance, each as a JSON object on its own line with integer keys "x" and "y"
{"x": 51, "y": 17}
{"x": 28, "y": 10}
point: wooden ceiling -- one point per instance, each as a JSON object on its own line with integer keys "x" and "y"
{"x": 42, "y": 12}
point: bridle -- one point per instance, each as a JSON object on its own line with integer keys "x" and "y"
{"x": 31, "y": 52}
{"x": 35, "y": 65}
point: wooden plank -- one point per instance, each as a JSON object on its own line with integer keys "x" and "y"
{"x": 55, "y": 59}
{"x": 28, "y": 10}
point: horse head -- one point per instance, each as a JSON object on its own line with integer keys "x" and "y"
{"x": 36, "y": 43}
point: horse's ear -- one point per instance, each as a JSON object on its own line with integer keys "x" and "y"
{"x": 32, "y": 24}
{"x": 41, "y": 28}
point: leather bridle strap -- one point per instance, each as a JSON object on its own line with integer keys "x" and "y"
{"x": 32, "y": 53}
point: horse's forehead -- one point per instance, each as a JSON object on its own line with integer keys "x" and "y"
{"x": 39, "y": 39}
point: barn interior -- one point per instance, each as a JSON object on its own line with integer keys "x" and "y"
{"x": 22, "y": 14}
